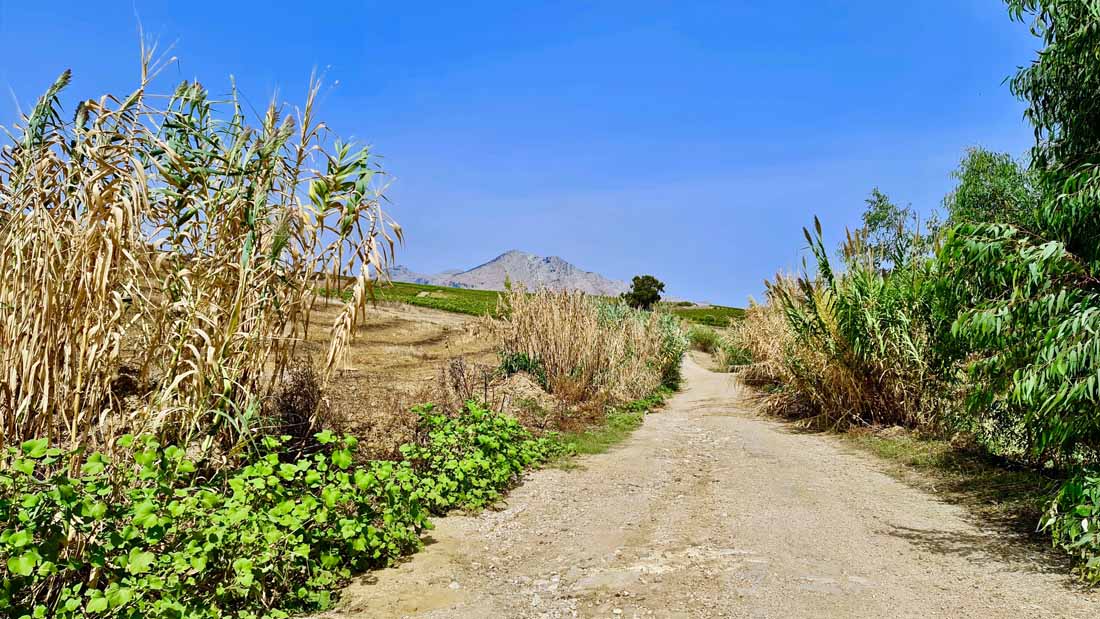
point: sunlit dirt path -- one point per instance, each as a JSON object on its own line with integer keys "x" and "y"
{"x": 711, "y": 511}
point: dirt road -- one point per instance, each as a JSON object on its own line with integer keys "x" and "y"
{"x": 711, "y": 511}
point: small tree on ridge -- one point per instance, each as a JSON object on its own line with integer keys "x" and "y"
{"x": 645, "y": 292}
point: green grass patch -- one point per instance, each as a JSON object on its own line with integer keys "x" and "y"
{"x": 457, "y": 300}
{"x": 618, "y": 424}
{"x": 715, "y": 315}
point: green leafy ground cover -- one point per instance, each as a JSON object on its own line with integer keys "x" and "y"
{"x": 152, "y": 534}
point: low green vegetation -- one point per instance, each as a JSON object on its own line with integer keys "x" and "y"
{"x": 981, "y": 328}
{"x": 617, "y": 426}
{"x": 466, "y": 460}
{"x": 711, "y": 315}
{"x": 704, "y": 339}
{"x": 457, "y": 300}
{"x": 152, "y": 534}
{"x": 155, "y": 534}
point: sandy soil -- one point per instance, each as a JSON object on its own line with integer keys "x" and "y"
{"x": 711, "y": 511}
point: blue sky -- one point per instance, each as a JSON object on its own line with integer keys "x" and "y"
{"x": 690, "y": 140}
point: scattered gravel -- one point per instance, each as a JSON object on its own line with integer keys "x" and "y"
{"x": 711, "y": 511}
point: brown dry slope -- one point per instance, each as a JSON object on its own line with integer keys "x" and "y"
{"x": 710, "y": 511}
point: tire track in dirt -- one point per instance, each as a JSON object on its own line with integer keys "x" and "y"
{"x": 711, "y": 511}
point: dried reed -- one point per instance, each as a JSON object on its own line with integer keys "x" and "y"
{"x": 591, "y": 349}
{"x": 159, "y": 263}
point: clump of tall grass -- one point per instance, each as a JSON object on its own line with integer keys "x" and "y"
{"x": 846, "y": 348}
{"x": 160, "y": 255}
{"x": 704, "y": 339}
{"x": 591, "y": 349}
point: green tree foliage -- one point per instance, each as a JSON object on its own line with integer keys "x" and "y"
{"x": 645, "y": 292}
{"x": 1031, "y": 294}
{"x": 1012, "y": 294}
{"x": 885, "y": 236}
{"x": 992, "y": 187}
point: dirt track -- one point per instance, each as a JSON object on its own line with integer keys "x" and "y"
{"x": 711, "y": 511}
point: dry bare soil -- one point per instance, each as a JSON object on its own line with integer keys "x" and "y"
{"x": 404, "y": 355}
{"x": 712, "y": 511}
{"x": 398, "y": 359}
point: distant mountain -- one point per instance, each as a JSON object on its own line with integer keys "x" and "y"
{"x": 532, "y": 271}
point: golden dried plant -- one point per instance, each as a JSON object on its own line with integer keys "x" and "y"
{"x": 590, "y": 348}
{"x": 159, "y": 264}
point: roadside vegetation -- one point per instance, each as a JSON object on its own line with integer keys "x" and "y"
{"x": 704, "y": 339}
{"x": 167, "y": 449}
{"x": 589, "y": 350}
{"x": 981, "y": 328}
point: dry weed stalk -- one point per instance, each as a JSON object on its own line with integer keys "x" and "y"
{"x": 178, "y": 248}
{"x": 589, "y": 349}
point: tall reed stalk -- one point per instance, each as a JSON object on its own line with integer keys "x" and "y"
{"x": 847, "y": 348}
{"x": 159, "y": 262}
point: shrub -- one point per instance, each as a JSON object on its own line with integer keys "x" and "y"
{"x": 515, "y": 362}
{"x": 732, "y": 354}
{"x": 853, "y": 347}
{"x": 670, "y": 353}
{"x": 764, "y": 336}
{"x": 149, "y": 537}
{"x": 703, "y": 339}
{"x": 1074, "y": 522}
{"x": 469, "y": 459}
{"x": 1028, "y": 284}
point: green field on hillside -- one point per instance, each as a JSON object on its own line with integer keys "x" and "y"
{"x": 484, "y": 302}
{"x": 459, "y": 300}
{"x": 714, "y": 315}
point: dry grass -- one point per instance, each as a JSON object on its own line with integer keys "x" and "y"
{"x": 590, "y": 350}
{"x": 403, "y": 356}
{"x": 159, "y": 263}
{"x": 763, "y": 334}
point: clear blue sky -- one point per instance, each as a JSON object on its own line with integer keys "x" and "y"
{"x": 691, "y": 140}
